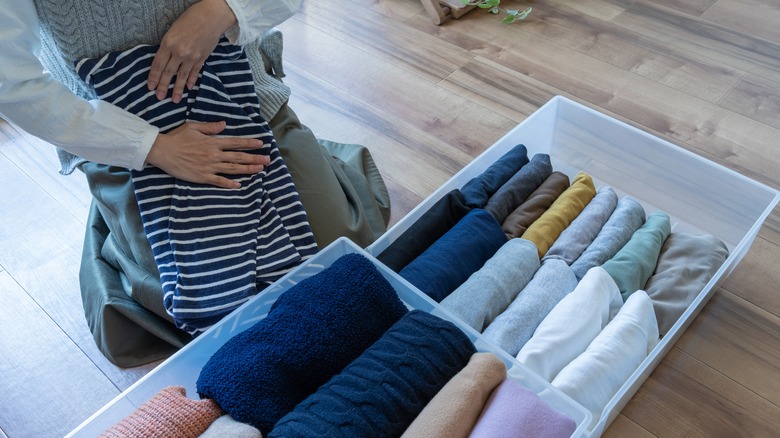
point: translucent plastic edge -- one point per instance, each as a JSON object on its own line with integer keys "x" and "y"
{"x": 554, "y": 397}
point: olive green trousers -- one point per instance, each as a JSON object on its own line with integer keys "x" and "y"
{"x": 340, "y": 188}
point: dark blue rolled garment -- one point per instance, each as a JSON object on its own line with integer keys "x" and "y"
{"x": 460, "y": 252}
{"x": 478, "y": 190}
{"x": 311, "y": 333}
{"x": 436, "y": 221}
{"x": 515, "y": 191}
{"x": 383, "y": 390}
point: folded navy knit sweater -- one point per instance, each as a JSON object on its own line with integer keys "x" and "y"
{"x": 383, "y": 390}
{"x": 311, "y": 333}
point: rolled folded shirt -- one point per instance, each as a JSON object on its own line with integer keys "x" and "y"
{"x": 538, "y": 202}
{"x": 545, "y": 230}
{"x": 168, "y": 413}
{"x": 596, "y": 375}
{"x": 686, "y": 264}
{"x": 515, "y": 326}
{"x": 313, "y": 330}
{"x": 452, "y": 259}
{"x": 628, "y": 216}
{"x": 572, "y": 324}
{"x": 454, "y": 410}
{"x": 382, "y": 391}
{"x": 517, "y": 189}
{"x": 479, "y": 189}
{"x": 514, "y": 411}
{"x": 583, "y": 230}
{"x": 491, "y": 289}
{"x": 429, "y": 227}
{"x": 633, "y": 264}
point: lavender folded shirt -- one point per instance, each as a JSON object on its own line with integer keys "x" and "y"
{"x": 514, "y": 411}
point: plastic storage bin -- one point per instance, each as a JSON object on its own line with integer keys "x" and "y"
{"x": 699, "y": 195}
{"x": 184, "y": 367}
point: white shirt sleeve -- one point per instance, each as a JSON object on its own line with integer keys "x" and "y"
{"x": 44, "y": 107}
{"x": 254, "y": 18}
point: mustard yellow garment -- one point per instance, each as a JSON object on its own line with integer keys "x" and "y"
{"x": 561, "y": 213}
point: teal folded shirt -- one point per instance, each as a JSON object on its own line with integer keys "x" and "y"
{"x": 633, "y": 265}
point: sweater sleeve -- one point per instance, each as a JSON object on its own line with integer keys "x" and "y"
{"x": 44, "y": 107}
{"x": 254, "y": 18}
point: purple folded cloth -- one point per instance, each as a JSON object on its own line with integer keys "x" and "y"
{"x": 514, "y": 411}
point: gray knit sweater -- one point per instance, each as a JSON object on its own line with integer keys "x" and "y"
{"x": 76, "y": 29}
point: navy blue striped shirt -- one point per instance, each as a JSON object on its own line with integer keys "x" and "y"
{"x": 215, "y": 248}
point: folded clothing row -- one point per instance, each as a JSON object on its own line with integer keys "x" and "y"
{"x": 339, "y": 354}
{"x": 576, "y": 282}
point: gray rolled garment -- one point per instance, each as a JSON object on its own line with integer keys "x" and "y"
{"x": 515, "y": 326}
{"x": 584, "y": 229}
{"x": 686, "y": 263}
{"x": 621, "y": 225}
{"x": 492, "y": 288}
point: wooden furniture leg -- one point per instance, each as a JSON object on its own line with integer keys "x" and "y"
{"x": 440, "y": 10}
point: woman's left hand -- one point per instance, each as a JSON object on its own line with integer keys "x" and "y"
{"x": 186, "y": 45}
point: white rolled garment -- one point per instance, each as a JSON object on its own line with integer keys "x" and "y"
{"x": 572, "y": 324}
{"x": 595, "y": 376}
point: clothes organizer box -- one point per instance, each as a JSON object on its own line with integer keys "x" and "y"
{"x": 700, "y": 196}
{"x": 184, "y": 367}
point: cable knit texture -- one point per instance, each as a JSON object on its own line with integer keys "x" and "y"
{"x": 383, "y": 390}
{"x": 77, "y": 29}
{"x": 168, "y": 414}
{"x": 311, "y": 333}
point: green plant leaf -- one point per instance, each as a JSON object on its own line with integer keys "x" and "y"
{"x": 522, "y": 15}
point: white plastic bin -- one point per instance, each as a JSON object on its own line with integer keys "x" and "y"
{"x": 699, "y": 196}
{"x": 184, "y": 367}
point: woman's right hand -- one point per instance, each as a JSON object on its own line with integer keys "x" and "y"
{"x": 192, "y": 152}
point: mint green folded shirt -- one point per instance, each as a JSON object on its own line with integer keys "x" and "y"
{"x": 633, "y": 265}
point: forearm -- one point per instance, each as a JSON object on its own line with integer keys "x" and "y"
{"x": 254, "y": 18}
{"x": 44, "y": 107}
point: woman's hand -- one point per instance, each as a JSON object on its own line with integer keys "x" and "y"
{"x": 186, "y": 45}
{"x": 192, "y": 153}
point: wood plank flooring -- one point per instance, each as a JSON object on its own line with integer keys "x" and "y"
{"x": 426, "y": 99}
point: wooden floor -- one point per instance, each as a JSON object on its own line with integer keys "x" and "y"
{"x": 704, "y": 74}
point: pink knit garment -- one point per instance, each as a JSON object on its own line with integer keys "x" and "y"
{"x": 168, "y": 414}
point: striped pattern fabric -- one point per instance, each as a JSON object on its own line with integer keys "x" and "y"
{"x": 215, "y": 248}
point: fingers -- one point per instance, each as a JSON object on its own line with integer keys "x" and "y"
{"x": 164, "y": 68}
{"x": 245, "y": 158}
{"x": 225, "y": 183}
{"x": 181, "y": 80}
{"x": 155, "y": 72}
